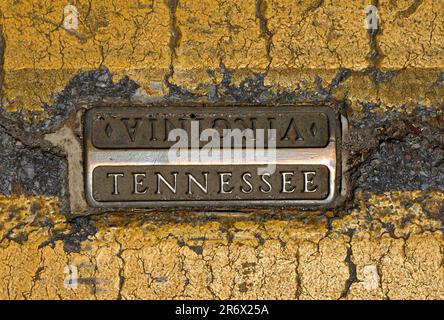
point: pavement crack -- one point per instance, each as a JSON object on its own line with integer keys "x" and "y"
{"x": 375, "y": 55}
{"x": 10, "y": 127}
{"x": 406, "y": 13}
{"x": 175, "y": 37}
{"x": 121, "y": 270}
{"x": 261, "y": 7}
{"x": 2, "y": 64}
{"x": 59, "y": 25}
{"x": 351, "y": 269}
{"x": 299, "y": 288}
{"x": 37, "y": 274}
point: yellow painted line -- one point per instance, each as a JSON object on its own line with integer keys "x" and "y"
{"x": 276, "y": 259}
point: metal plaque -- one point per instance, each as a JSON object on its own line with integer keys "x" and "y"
{"x": 154, "y": 157}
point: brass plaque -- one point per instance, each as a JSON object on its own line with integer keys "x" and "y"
{"x": 213, "y": 157}
{"x": 115, "y": 129}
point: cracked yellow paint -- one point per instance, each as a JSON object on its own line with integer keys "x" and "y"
{"x": 381, "y": 249}
{"x": 293, "y": 42}
{"x": 406, "y": 88}
{"x": 211, "y": 33}
{"x": 230, "y": 258}
{"x": 318, "y": 34}
{"x": 41, "y": 55}
{"x": 412, "y": 32}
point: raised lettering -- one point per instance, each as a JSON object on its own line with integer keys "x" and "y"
{"x": 266, "y": 182}
{"x": 244, "y": 179}
{"x": 287, "y": 182}
{"x": 201, "y": 187}
{"x": 115, "y": 182}
{"x": 308, "y": 181}
{"x": 224, "y": 182}
{"x": 132, "y": 124}
{"x": 297, "y": 136}
{"x": 138, "y": 183}
{"x": 160, "y": 179}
